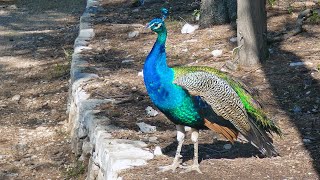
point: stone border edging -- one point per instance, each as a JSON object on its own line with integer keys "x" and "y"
{"x": 90, "y": 136}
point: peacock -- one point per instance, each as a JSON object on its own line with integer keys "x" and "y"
{"x": 203, "y": 97}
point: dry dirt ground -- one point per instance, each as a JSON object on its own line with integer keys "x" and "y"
{"x": 290, "y": 94}
{"x": 35, "y": 51}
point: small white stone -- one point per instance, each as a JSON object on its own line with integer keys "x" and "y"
{"x": 1, "y": 157}
{"x": 140, "y": 73}
{"x": 151, "y": 112}
{"x": 216, "y": 53}
{"x": 12, "y": 6}
{"x": 223, "y": 70}
{"x": 157, "y": 151}
{"x": 227, "y": 146}
{"x": 233, "y": 39}
{"x": 188, "y": 28}
{"x": 133, "y": 34}
{"x": 306, "y": 140}
{"x": 136, "y": 10}
{"x": 127, "y": 61}
{"x": 300, "y": 64}
{"x": 16, "y": 97}
{"x": 271, "y": 51}
{"x": 146, "y": 128}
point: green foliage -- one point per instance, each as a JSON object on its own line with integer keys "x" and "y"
{"x": 290, "y": 9}
{"x": 315, "y": 17}
{"x": 62, "y": 70}
{"x": 68, "y": 54}
{"x": 196, "y": 13}
{"x": 272, "y": 2}
{"x": 75, "y": 170}
{"x": 61, "y": 132}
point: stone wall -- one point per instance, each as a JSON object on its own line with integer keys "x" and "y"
{"x": 91, "y": 139}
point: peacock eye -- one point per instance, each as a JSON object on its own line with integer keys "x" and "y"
{"x": 157, "y": 25}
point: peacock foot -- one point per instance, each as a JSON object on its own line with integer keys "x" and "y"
{"x": 194, "y": 167}
{"x": 172, "y": 167}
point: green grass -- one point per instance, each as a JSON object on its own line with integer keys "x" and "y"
{"x": 272, "y": 2}
{"x": 290, "y": 9}
{"x": 62, "y": 70}
{"x": 75, "y": 171}
{"x": 315, "y": 18}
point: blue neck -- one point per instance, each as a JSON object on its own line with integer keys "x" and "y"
{"x": 157, "y": 75}
{"x": 156, "y": 62}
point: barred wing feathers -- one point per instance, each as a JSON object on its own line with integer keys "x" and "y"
{"x": 226, "y": 102}
{"x": 251, "y": 105}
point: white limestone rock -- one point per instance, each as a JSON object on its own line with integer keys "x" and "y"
{"x": 188, "y": 28}
{"x": 140, "y": 73}
{"x": 151, "y": 112}
{"x": 133, "y": 34}
{"x": 216, "y": 53}
{"x": 16, "y": 98}
{"x": 146, "y": 128}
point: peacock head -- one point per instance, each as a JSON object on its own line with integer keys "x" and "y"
{"x": 157, "y": 25}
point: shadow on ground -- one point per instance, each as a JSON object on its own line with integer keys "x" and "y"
{"x": 36, "y": 27}
{"x": 294, "y": 88}
{"x": 214, "y": 150}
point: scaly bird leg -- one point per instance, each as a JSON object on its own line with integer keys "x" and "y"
{"x": 195, "y": 165}
{"x": 176, "y": 162}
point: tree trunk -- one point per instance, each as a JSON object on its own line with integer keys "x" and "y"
{"x": 252, "y": 32}
{"x": 213, "y": 12}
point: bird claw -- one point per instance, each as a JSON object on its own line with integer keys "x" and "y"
{"x": 172, "y": 167}
{"x": 194, "y": 167}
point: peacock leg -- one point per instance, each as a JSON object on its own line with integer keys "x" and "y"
{"x": 195, "y": 165}
{"x": 176, "y": 161}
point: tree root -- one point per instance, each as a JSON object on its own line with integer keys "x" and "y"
{"x": 304, "y": 15}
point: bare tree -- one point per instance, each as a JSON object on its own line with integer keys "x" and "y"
{"x": 252, "y": 32}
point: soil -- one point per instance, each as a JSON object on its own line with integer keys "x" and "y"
{"x": 290, "y": 94}
{"x": 36, "y": 45}
{"x": 34, "y": 65}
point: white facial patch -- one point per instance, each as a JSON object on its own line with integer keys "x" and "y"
{"x": 158, "y": 26}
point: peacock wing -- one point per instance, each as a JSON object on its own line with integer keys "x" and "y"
{"x": 217, "y": 93}
{"x": 250, "y": 103}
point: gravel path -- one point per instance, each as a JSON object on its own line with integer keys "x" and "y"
{"x": 36, "y": 43}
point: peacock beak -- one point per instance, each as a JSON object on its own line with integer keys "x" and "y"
{"x": 147, "y": 26}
